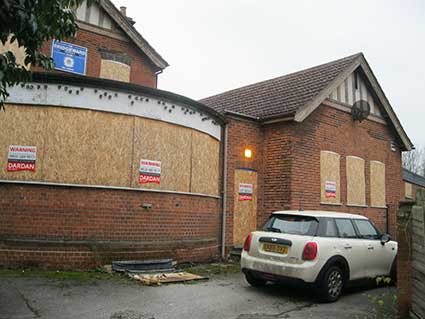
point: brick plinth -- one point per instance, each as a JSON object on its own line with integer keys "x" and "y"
{"x": 80, "y": 228}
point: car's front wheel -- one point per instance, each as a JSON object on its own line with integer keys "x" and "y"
{"x": 254, "y": 281}
{"x": 331, "y": 284}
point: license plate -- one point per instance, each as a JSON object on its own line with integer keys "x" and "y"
{"x": 273, "y": 248}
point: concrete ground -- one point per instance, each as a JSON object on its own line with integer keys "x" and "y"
{"x": 223, "y": 296}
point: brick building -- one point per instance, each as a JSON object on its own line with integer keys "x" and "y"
{"x": 98, "y": 164}
{"x": 412, "y": 182}
{"x": 305, "y": 149}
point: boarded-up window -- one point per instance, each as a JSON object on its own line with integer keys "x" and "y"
{"x": 408, "y": 190}
{"x": 356, "y": 182}
{"x": 114, "y": 70}
{"x": 377, "y": 184}
{"x": 330, "y": 177}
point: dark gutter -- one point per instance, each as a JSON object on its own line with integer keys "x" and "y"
{"x": 241, "y": 115}
{"x": 413, "y": 178}
{"x": 77, "y": 80}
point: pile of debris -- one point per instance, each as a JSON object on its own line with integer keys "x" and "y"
{"x": 154, "y": 272}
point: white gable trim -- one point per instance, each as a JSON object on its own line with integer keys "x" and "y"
{"x": 361, "y": 62}
{"x": 132, "y": 33}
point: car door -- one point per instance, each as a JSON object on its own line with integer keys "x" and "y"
{"x": 351, "y": 247}
{"x": 379, "y": 257}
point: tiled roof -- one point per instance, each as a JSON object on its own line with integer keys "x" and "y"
{"x": 281, "y": 96}
{"x": 413, "y": 178}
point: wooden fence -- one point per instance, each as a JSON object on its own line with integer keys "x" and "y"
{"x": 418, "y": 259}
{"x": 411, "y": 257}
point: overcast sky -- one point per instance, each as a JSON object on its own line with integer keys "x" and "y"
{"x": 216, "y": 45}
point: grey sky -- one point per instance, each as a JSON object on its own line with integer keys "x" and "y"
{"x": 217, "y": 45}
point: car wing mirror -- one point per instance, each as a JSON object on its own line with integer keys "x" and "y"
{"x": 385, "y": 238}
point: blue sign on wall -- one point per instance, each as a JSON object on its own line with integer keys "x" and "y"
{"x": 69, "y": 57}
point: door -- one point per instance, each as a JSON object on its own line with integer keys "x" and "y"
{"x": 379, "y": 257}
{"x": 351, "y": 248}
{"x": 245, "y": 205}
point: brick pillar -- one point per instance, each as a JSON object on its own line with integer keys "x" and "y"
{"x": 404, "y": 290}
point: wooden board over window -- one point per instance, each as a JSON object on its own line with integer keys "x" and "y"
{"x": 329, "y": 176}
{"x": 356, "y": 182}
{"x": 114, "y": 70}
{"x": 408, "y": 190}
{"x": 377, "y": 184}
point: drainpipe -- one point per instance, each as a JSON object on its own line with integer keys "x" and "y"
{"x": 224, "y": 201}
{"x": 387, "y": 221}
{"x": 156, "y": 77}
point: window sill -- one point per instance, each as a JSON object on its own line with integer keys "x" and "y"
{"x": 355, "y": 205}
{"x": 382, "y": 207}
{"x": 332, "y": 204}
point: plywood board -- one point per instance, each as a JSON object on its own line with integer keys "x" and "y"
{"x": 168, "y": 143}
{"x": 408, "y": 190}
{"x": 377, "y": 184}
{"x": 330, "y": 172}
{"x": 356, "y": 181}
{"x": 22, "y": 125}
{"x": 111, "y": 141}
{"x": 245, "y": 212}
{"x": 77, "y": 146}
{"x": 205, "y": 164}
{"x": 162, "y": 278}
{"x": 114, "y": 70}
{"x": 68, "y": 145}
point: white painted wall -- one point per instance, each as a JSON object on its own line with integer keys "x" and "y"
{"x": 115, "y": 102}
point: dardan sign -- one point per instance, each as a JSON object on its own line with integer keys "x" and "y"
{"x": 21, "y": 158}
{"x": 245, "y": 191}
{"x": 150, "y": 172}
{"x": 330, "y": 189}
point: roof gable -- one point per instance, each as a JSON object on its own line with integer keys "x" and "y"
{"x": 298, "y": 94}
{"x": 104, "y": 14}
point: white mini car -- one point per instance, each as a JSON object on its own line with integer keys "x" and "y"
{"x": 325, "y": 249}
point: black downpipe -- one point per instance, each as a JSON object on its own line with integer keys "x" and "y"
{"x": 387, "y": 220}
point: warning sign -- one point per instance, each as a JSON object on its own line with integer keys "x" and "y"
{"x": 330, "y": 189}
{"x": 21, "y": 158}
{"x": 150, "y": 172}
{"x": 245, "y": 192}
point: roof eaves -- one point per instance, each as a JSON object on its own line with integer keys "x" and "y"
{"x": 413, "y": 178}
{"x": 133, "y": 34}
{"x": 72, "y": 79}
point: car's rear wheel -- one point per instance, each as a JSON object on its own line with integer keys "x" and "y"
{"x": 331, "y": 284}
{"x": 393, "y": 273}
{"x": 255, "y": 281}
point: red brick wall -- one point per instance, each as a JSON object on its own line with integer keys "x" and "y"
{"x": 52, "y": 226}
{"x": 277, "y": 162}
{"x": 241, "y": 135}
{"x": 142, "y": 70}
{"x": 334, "y": 130}
{"x": 287, "y": 158}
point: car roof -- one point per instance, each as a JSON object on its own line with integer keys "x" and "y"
{"x": 319, "y": 213}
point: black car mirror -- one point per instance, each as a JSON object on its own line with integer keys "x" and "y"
{"x": 385, "y": 238}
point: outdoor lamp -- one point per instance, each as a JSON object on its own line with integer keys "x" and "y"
{"x": 248, "y": 153}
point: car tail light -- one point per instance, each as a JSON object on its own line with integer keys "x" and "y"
{"x": 247, "y": 244}
{"x": 310, "y": 251}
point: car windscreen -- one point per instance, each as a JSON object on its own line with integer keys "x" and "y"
{"x": 292, "y": 224}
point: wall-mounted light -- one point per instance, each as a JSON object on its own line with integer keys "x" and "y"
{"x": 247, "y": 153}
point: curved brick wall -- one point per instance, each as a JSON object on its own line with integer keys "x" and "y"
{"x": 80, "y": 228}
